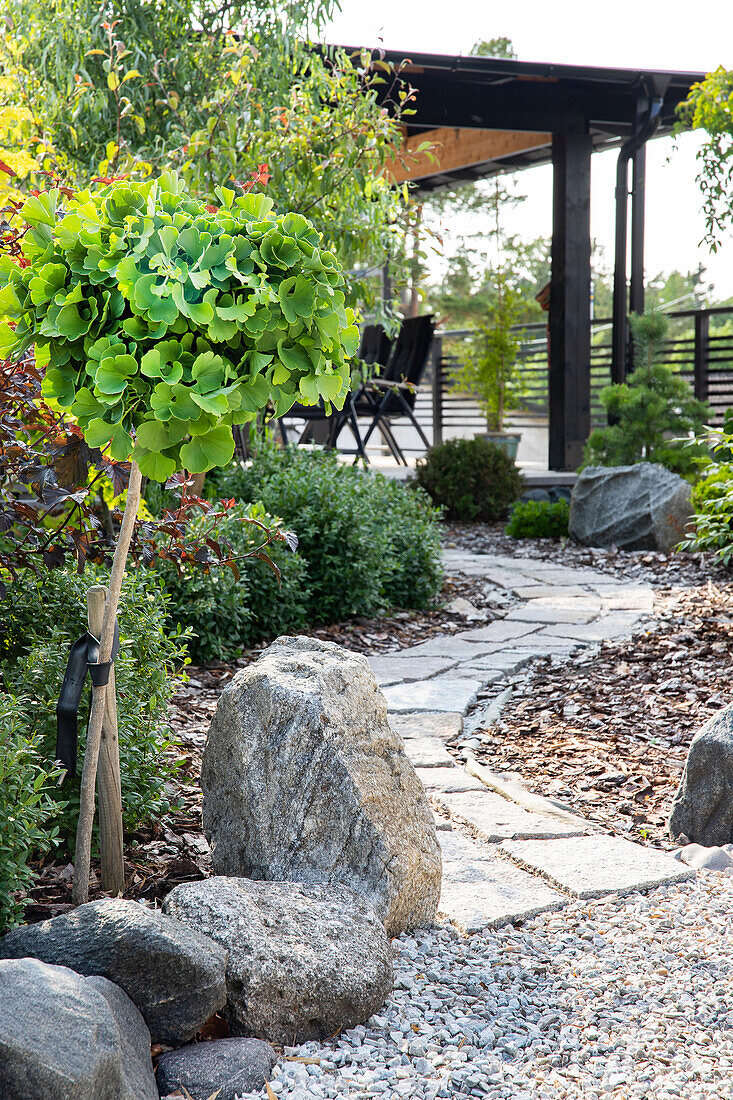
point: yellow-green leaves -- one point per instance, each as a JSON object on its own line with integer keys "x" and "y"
{"x": 165, "y": 321}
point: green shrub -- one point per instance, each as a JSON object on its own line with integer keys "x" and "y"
{"x": 473, "y": 480}
{"x": 29, "y": 801}
{"x": 40, "y": 617}
{"x": 539, "y": 519}
{"x": 369, "y": 543}
{"x": 712, "y": 499}
{"x": 225, "y": 613}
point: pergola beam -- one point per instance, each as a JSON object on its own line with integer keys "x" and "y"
{"x": 458, "y": 149}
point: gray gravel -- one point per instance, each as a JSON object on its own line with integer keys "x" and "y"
{"x": 624, "y": 997}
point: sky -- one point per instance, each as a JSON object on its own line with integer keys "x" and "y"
{"x": 632, "y": 34}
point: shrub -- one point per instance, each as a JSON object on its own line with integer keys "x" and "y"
{"x": 653, "y": 415}
{"x": 369, "y": 543}
{"x": 36, "y": 632}
{"x": 29, "y": 800}
{"x": 223, "y": 612}
{"x": 539, "y": 519}
{"x": 473, "y": 480}
{"x": 712, "y": 499}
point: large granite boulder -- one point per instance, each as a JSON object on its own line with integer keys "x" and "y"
{"x": 225, "y": 1069}
{"x": 304, "y": 780}
{"x": 173, "y": 973}
{"x": 64, "y": 1037}
{"x": 640, "y": 507}
{"x": 702, "y": 811}
{"x": 304, "y": 960}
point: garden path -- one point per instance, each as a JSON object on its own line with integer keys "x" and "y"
{"x": 508, "y": 854}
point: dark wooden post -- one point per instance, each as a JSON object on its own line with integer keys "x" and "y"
{"x": 437, "y": 357}
{"x": 638, "y": 192}
{"x": 702, "y": 354}
{"x": 569, "y": 380}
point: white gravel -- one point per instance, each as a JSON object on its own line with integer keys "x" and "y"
{"x": 622, "y": 997}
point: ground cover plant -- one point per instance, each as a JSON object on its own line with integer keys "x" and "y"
{"x": 712, "y": 496}
{"x": 472, "y": 480}
{"x": 539, "y": 519}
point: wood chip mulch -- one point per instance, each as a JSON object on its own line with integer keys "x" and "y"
{"x": 608, "y": 736}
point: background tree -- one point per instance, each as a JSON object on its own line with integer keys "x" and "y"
{"x": 214, "y": 91}
{"x": 709, "y": 107}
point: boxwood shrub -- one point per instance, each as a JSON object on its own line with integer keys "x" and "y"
{"x": 539, "y": 519}
{"x": 473, "y": 480}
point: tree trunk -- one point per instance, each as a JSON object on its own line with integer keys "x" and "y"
{"x": 82, "y": 855}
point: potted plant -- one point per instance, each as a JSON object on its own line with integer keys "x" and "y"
{"x": 489, "y": 371}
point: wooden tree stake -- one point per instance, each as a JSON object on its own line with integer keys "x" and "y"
{"x": 109, "y": 793}
{"x": 83, "y": 852}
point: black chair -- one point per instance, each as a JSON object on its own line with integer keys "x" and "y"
{"x": 323, "y": 428}
{"x": 392, "y": 395}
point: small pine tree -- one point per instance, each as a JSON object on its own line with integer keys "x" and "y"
{"x": 653, "y": 415}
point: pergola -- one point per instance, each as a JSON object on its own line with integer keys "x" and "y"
{"x": 486, "y": 116}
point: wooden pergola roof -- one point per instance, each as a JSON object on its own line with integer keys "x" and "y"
{"x": 486, "y": 115}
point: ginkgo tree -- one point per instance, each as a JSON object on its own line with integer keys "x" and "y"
{"x": 161, "y": 321}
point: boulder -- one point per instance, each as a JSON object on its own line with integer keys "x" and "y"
{"x": 304, "y": 781}
{"x": 640, "y": 507}
{"x": 64, "y": 1037}
{"x": 304, "y": 960}
{"x": 702, "y": 810}
{"x": 231, "y": 1066}
{"x": 173, "y": 973}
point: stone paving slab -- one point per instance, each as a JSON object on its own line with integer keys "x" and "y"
{"x": 614, "y": 625}
{"x": 443, "y": 694}
{"x": 446, "y": 725}
{"x": 449, "y": 647}
{"x": 501, "y": 630}
{"x": 447, "y": 781}
{"x": 428, "y": 752}
{"x": 534, "y": 611}
{"x": 481, "y": 890}
{"x": 392, "y": 668}
{"x": 496, "y": 818}
{"x": 592, "y": 866}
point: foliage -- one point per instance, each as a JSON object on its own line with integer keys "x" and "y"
{"x": 214, "y": 91}
{"x": 539, "y": 519}
{"x": 653, "y": 415}
{"x": 472, "y": 479}
{"x": 369, "y": 543}
{"x": 36, "y": 633}
{"x": 712, "y": 496}
{"x": 167, "y": 321}
{"x": 709, "y": 106}
{"x": 489, "y": 370}
{"x": 28, "y": 803}
{"x": 223, "y": 613}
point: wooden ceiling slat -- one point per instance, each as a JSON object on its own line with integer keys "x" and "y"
{"x": 455, "y": 149}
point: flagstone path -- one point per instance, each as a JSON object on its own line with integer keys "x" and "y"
{"x": 506, "y": 854}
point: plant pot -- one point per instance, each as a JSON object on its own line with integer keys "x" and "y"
{"x": 508, "y": 441}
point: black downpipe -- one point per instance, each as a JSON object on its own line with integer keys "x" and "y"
{"x": 627, "y": 151}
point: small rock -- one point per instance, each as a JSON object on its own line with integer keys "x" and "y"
{"x": 464, "y": 608}
{"x": 64, "y": 1037}
{"x": 304, "y": 960}
{"x": 711, "y": 859}
{"x": 173, "y": 973}
{"x": 232, "y": 1066}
